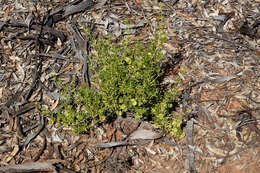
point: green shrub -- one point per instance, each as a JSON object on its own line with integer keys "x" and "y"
{"x": 125, "y": 81}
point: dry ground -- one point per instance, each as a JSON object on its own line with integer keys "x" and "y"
{"x": 216, "y": 42}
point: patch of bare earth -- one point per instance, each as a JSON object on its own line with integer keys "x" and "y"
{"x": 215, "y": 42}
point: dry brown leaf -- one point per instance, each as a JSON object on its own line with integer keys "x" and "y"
{"x": 180, "y": 13}
{"x": 55, "y": 105}
{"x": 8, "y": 9}
{"x": 145, "y": 134}
{"x": 11, "y": 123}
{"x": 139, "y": 37}
{"x": 66, "y": 68}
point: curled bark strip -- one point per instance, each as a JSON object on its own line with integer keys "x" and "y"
{"x": 70, "y": 9}
{"x": 191, "y": 156}
{"x": 29, "y": 167}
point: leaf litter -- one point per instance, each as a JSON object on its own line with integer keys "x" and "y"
{"x": 216, "y": 42}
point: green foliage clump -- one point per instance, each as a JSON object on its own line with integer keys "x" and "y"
{"x": 125, "y": 81}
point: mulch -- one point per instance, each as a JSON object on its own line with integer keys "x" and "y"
{"x": 216, "y": 43}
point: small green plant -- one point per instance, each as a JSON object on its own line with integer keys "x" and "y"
{"x": 126, "y": 80}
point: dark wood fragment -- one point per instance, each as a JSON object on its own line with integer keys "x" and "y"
{"x": 70, "y": 9}
{"x": 29, "y": 138}
{"x": 25, "y": 108}
{"x": 44, "y": 29}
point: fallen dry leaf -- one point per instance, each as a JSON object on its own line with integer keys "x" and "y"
{"x": 145, "y": 134}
